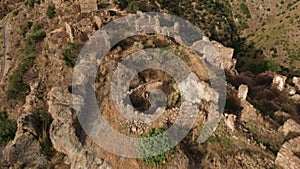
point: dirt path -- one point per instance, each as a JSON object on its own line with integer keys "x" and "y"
{"x": 5, "y": 58}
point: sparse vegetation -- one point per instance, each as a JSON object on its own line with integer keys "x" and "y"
{"x": 44, "y": 120}
{"x": 146, "y": 147}
{"x": 31, "y": 3}
{"x": 24, "y": 29}
{"x": 133, "y": 6}
{"x": 18, "y": 89}
{"x": 8, "y": 128}
{"x": 70, "y": 54}
{"x": 262, "y": 66}
{"x": 245, "y": 10}
{"x": 50, "y": 11}
{"x": 273, "y": 141}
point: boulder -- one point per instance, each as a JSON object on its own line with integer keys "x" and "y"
{"x": 279, "y": 82}
{"x": 290, "y": 126}
{"x": 291, "y": 90}
{"x": 230, "y": 121}
{"x": 287, "y": 156}
{"x": 296, "y": 82}
{"x": 282, "y": 116}
{"x": 242, "y": 92}
{"x": 249, "y": 113}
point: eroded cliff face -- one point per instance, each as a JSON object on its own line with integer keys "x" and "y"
{"x": 25, "y": 149}
{"x": 63, "y": 130}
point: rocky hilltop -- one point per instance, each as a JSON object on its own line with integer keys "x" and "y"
{"x": 39, "y": 127}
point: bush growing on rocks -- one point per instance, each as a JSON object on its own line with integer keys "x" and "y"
{"x": 43, "y": 122}
{"x": 8, "y": 128}
{"x": 50, "y": 12}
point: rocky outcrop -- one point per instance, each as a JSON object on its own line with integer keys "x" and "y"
{"x": 295, "y": 98}
{"x": 25, "y": 149}
{"x": 226, "y": 55}
{"x": 290, "y": 126}
{"x": 279, "y": 82}
{"x": 63, "y": 133}
{"x": 281, "y": 116}
{"x": 288, "y": 155}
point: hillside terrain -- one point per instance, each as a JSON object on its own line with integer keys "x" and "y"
{"x": 258, "y": 43}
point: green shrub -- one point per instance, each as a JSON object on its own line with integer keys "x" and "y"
{"x": 24, "y": 29}
{"x": 18, "y": 89}
{"x": 43, "y": 122}
{"x": 146, "y": 147}
{"x": 262, "y": 66}
{"x": 38, "y": 36}
{"x": 245, "y": 10}
{"x": 70, "y": 54}
{"x": 51, "y": 11}
{"x": 133, "y": 6}
{"x": 8, "y": 128}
